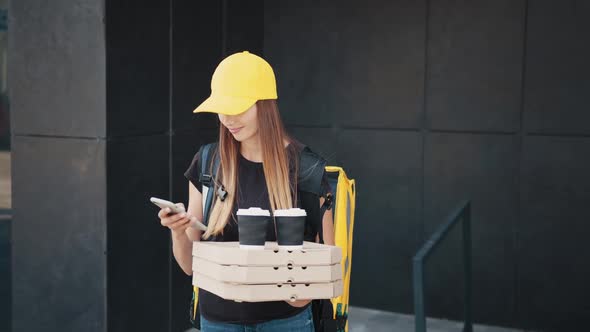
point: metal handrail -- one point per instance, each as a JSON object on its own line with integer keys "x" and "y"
{"x": 462, "y": 213}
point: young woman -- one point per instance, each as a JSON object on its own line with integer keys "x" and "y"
{"x": 259, "y": 168}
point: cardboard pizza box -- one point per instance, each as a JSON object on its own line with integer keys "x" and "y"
{"x": 229, "y": 253}
{"x": 267, "y": 274}
{"x": 268, "y": 292}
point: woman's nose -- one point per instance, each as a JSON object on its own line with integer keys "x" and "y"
{"x": 226, "y": 119}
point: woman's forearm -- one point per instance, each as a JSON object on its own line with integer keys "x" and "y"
{"x": 182, "y": 250}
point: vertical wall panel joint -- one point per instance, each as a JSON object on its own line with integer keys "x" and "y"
{"x": 521, "y": 134}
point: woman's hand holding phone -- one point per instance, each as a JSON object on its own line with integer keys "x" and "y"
{"x": 176, "y": 222}
{"x": 175, "y": 218}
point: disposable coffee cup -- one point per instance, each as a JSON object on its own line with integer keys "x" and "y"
{"x": 290, "y": 225}
{"x": 252, "y": 227}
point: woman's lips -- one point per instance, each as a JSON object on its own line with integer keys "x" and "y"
{"x": 234, "y": 130}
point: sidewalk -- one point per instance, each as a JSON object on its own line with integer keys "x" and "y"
{"x": 370, "y": 320}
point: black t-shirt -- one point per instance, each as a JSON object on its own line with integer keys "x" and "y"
{"x": 252, "y": 192}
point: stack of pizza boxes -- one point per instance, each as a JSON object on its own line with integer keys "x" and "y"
{"x": 271, "y": 274}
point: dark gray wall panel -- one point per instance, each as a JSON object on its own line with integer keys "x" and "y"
{"x": 321, "y": 140}
{"x": 399, "y": 296}
{"x": 138, "y": 40}
{"x": 475, "y": 64}
{"x": 57, "y": 71}
{"x": 341, "y": 63}
{"x": 553, "y": 245}
{"x": 388, "y": 203}
{"x": 180, "y": 293}
{"x": 557, "y": 88}
{"x": 245, "y": 26}
{"x": 138, "y": 246}
{"x": 184, "y": 147}
{"x": 484, "y": 169}
{"x": 196, "y": 51}
{"x": 225, "y": 28}
{"x": 59, "y": 234}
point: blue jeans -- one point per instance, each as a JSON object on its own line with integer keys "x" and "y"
{"x": 302, "y": 322}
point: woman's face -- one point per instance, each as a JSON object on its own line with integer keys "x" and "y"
{"x": 242, "y": 126}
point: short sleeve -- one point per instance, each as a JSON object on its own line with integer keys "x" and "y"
{"x": 193, "y": 172}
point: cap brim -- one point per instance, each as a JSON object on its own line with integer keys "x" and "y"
{"x": 225, "y": 105}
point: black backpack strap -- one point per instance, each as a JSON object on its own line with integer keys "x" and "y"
{"x": 207, "y": 176}
{"x": 311, "y": 173}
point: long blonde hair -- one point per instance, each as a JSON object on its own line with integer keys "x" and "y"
{"x": 275, "y": 160}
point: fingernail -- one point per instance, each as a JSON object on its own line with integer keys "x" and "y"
{"x": 182, "y": 215}
{"x": 167, "y": 210}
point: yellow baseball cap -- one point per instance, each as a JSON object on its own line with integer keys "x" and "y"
{"x": 238, "y": 82}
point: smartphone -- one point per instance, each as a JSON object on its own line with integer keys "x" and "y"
{"x": 162, "y": 203}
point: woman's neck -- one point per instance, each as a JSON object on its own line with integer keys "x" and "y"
{"x": 251, "y": 150}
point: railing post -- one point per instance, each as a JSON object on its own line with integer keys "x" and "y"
{"x": 418, "y": 276}
{"x": 463, "y": 214}
{"x": 468, "y": 327}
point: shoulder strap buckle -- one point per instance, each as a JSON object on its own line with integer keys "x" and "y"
{"x": 328, "y": 202}
{"x": 206, "y": 179}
